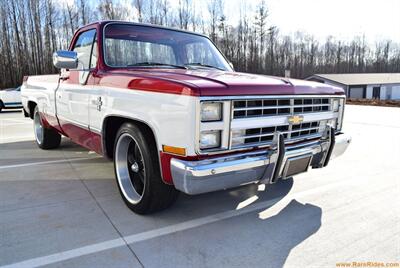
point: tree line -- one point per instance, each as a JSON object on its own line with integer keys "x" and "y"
{"x": 31, "y": 30}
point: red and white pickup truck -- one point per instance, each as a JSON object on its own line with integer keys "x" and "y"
{"x": 173, "y": 115}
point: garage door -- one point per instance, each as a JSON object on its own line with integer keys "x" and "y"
{"x": 396, "y": 93}
{"x": 357, "y": 92}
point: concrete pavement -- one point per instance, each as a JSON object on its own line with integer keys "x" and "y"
{"x": 61, "y": 208}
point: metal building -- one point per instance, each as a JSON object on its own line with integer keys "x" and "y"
{"x": 384, "y": 86}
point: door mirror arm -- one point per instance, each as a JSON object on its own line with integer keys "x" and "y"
{"x": 64, "y": 74}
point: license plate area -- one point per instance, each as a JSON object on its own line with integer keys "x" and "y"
{"x": 296, "y": 165}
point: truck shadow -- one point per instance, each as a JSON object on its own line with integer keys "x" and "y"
{"x": 261, "y": 237}
{"x": 279, "y": 234}
{"x": 242, "y": 196}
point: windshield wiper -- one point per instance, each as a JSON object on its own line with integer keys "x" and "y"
{"x": 149, "y": 63}
{"x": 203, "y": 65}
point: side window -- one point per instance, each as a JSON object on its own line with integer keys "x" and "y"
{"x": 83, "y": 47}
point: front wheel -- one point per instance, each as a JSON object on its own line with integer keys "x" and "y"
{"x": 137, "y": 171}
{"x": 46, "y": 138}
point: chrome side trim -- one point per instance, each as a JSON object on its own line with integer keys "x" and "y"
{"x": 95, "y": 130}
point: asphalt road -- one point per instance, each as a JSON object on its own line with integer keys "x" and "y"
{"x": 61, "y": 208}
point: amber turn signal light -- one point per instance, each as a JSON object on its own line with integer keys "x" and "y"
{"x": 174, "y": 150}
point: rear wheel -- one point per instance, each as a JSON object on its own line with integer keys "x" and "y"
{"x": 46, "y": 138}
{"x": 137, "y": 171}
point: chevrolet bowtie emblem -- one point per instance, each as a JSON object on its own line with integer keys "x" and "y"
{"x": 295, "y": 119}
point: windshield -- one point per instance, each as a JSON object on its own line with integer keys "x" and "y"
{"x": 143, "y": 46}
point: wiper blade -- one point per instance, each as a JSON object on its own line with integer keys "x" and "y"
{"x": 149, "y": 63}
{"x": 203, "y": 65}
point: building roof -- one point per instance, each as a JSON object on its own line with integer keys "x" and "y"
{"x": 361, "y": 78}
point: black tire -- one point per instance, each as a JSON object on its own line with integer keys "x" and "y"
{"x": 137, "y": 172}
{"x": 46, "y": 138}
{"x": 25, "y": 113}
{"x": 1, "y": 106}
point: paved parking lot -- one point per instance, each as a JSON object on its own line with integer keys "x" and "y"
{"x": 61, "y": 208}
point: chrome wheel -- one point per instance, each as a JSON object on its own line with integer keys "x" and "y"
{"x": 38, "y": 128}
{"x": 130, "y": 168}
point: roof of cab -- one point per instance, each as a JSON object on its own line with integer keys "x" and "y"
{"x": 103, "y": 23}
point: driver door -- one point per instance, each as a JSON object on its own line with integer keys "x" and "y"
{"x": 72, "y": 96}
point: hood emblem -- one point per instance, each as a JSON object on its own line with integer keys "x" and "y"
{"x": 295, "y": 119}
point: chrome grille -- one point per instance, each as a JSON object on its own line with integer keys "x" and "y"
{"x": 264, "y": 135}
{"x": 282, "y": 106}
{"x": 252, "y": 121}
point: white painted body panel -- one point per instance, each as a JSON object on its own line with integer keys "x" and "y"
{"x": 171, "y": 117}
{"x": 40, "y": 89}
{"x": 72, "y": 103}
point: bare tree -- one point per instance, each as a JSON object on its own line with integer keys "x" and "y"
{"x": 260, "y": 23}
{"x": 214, "y": 10}
{"x": 139, "y": 7}
{"x": 184, "y": 14}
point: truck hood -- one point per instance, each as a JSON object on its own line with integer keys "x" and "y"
{"x": 220, "y": 83}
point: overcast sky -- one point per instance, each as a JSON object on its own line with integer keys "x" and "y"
{"x": 343, "y": 19}
{"x": 378, "y": 19}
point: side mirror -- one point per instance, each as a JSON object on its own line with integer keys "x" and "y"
{"x": 64, "y": 59}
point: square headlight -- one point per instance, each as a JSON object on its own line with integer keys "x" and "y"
{"x": 211, "y": 111}
{"x": 210, "y": 139}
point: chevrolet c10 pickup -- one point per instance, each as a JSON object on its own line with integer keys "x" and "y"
{"x": 167, "y": 107}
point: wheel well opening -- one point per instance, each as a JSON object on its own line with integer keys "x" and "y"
{"x": 31, "y": 108}
{"x": 111, "y": 127}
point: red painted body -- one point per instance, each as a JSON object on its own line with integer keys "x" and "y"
{"x": 82, "y": 136}
{"x": 77, "y": 134}
{"x": 210, "y": 83}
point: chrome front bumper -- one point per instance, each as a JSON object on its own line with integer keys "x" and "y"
{"x": 195, "y": 177}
